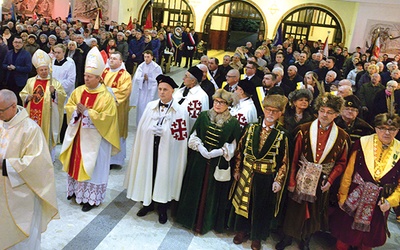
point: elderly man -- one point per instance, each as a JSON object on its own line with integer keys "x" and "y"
{"x": 192, "y": 96}
{"x": 261, "y": 172}
{"x": 330, "y": 83}
{"x": 119, "y": 80}
{"x": 244, "y": 108}
{"x": 91, "y": 136}
{"x": 144, "y": 84}
{"x": 367, "y": 94}
{"x": 292, "y": 78}
{"x": 384, "y": 97}
{"x": 349, "y": 120}
{"x": 158, "y": 179}
{"x": 44, "y": 98}
{"x": 206, "y": 84}
{"x": 27, "y": 192}
{"x": 320, "y": 155}
{"x": 232, "y": 79}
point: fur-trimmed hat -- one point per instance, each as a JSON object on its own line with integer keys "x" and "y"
{"x": 387, "y": 119}
{"x": 275, "y": 101}
{"x": 300, "y": 93}
{"x": 163, "y": 78}
{"x": 223, "y": 94}
{"x": 196, "y": 72}
{"x": 328, "y": 100}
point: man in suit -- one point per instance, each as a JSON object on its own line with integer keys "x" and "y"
{"x": 190, "y": 40}
{"x": 232, "y": 80}
{"x": 251, "y": 68}
{"x": 216, "y": 72}
{"x": 17, "y": 64}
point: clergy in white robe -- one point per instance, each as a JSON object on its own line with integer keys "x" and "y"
{"x": 192, "y": 97}
{"x": 144, "y": 84}
{"x": 119, "y": 80}
{"x": 27, "y": 191}
{"x": 158, "y": 160}
{"x": 91, "y": 137}
{"x": 244, "y": 109}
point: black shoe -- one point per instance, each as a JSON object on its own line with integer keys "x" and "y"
{"x": 69, "y": 197}
{"x": 87, "y": 207}
{"x": 305, "y": 244}
{"x": 144, "y": 210}
{"x": 162, "y": 218}
{"x": 287, "y": 241}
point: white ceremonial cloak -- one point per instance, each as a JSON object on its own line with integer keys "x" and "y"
{"x": 172, "y": 156}
{"x": 27, "y": 196}
{"x": 195, "y": 102}
{"x": 245, "y": 112}
{"x": 143, "y": 91}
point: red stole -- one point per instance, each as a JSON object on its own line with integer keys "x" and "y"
{"x": 75, "y": 169}
{"x": 36, "y": 104}
{"x": 115, "y": 82}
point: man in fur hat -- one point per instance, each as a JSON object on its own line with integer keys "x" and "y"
{"x": 320, "y": 156}
{"x": 158, "y": 179}
{"x": 92, "y": 136}
{"x": 262, "y": 159}
{"x": 192, "y": 96}
{"x": 349, "y": 120}
{"x": 43, "y": 98}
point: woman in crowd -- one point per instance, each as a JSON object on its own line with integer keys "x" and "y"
{"x": 300, "y": 110}
{"x": 76, "y": 54}
{"x": 369, "y": 188}
{"x": 203, "y": 204}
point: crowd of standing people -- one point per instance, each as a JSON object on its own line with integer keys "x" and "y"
{"x": 276, "y": 138}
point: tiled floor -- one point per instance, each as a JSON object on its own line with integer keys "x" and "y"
{"x": 114, "y": 224}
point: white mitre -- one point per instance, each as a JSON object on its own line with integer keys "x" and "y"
{"x": 41, "y": 58}
{"x": 94, "y": 62}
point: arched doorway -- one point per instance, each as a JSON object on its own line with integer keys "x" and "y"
{"x": 231, "y": 24}
{"x": 170, "y": 12}
{"x": 312, "y": 23}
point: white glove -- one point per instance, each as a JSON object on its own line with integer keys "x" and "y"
{"x": 216, "y": 152}
{"x": 203, "y": 151}
{"x": 276, "y": 187}
{"x": 157, "y": 130}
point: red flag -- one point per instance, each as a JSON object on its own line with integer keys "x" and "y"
{"x": 377, "y": 47}
{"x": 130, "y": 24}
{"x": 34, "y": 17}
{"x": 149, "y": 20}
{"x": 326, "y": 51}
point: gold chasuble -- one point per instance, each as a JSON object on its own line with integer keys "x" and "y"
{"x": 121, "y": 84}
{"x": 81, "y": 146}
{"x": 39, "y": 107}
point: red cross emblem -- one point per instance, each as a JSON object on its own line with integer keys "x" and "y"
{"x": 178, "y": 129}
{"x": 194, "y": 108}
{"x": 242, "y": 120}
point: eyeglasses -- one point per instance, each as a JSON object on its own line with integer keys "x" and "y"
{"x": 216, "y": 102}
{"x": 389, "y": 129}
{"x": 247, "y": 67}
{"x": 348, "y": 109}
{"x": 326, "y": 112}
{"x": 4, "y": 110}
{"x": 272, "y": 111}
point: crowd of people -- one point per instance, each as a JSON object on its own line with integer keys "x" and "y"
{"x": 276, "y": 138}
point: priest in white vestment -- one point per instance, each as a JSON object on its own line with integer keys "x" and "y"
{"x": 158, "y": 160}
{"x": 244, "y": 109}
{"x": 192, "y": 97}
{"x": 144, "y": 84}
{"x": 27, "y": 191}
{"x": 91, "y": 137}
